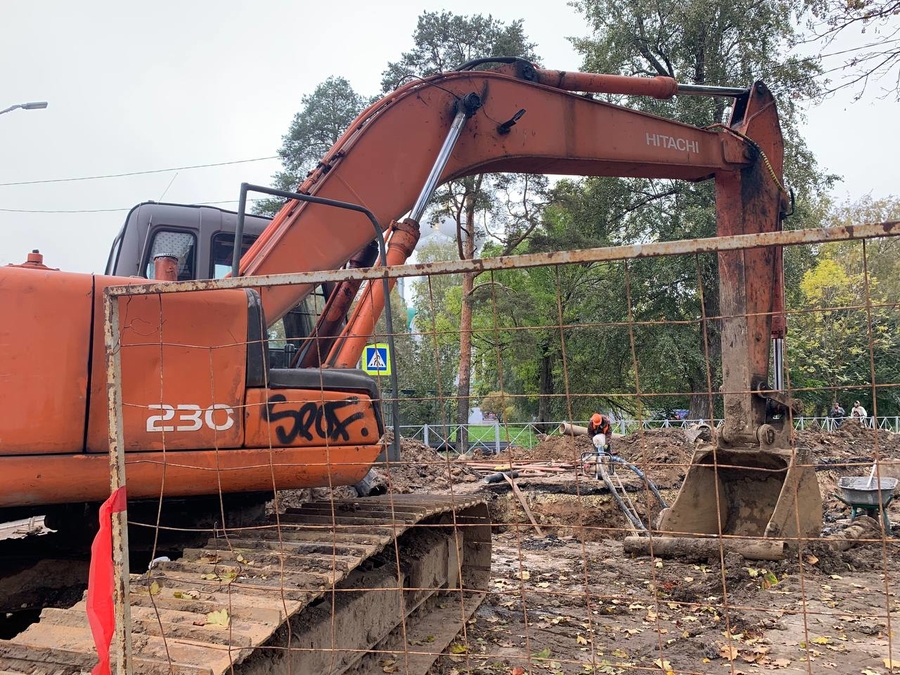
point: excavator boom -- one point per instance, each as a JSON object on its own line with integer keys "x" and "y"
{"x": 559, "y": 132}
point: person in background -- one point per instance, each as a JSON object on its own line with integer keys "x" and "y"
{"x": 837, "y": 414}
{"x": 600, "y": 426}
{"x": 857, "y": 412}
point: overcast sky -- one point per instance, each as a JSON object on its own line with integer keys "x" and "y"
{"x": 134, "y": 87}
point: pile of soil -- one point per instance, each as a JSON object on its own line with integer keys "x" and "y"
{"x": 851, "y": 442}
{"x": 663, "y": 454}
{"x": 423, "y": 469}
{"x": 420, "y": 469}
{"x": 566, "y": 449}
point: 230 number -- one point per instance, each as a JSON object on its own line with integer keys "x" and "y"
{"x": 190, "y": 418}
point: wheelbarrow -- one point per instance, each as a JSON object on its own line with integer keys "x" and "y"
{"x": 867, "y": 496}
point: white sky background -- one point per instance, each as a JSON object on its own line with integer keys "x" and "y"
{"x": 144, "y": 86}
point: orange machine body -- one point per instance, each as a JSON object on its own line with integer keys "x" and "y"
{"x": 193, "y": 424}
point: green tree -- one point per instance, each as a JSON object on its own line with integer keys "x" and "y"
{"x": 436, "y": 300}
{"x": 845, "y": 326}
{"x": 322, "y": 119}
{"x": 442, "y": 41}
{"x": 697, "y": 42}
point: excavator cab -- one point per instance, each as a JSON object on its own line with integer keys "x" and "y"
{"x": 201, "y": 241}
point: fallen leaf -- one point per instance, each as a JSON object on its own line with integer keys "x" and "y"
{"x": 518, "y": 670}
{"x": 619, "y": 654}
{"x": 543, "y": 654}
{"x": 665, "y": 665}
{"x": 728, "y": 652}
{"x": 239, "y": 558}
{"x": 781, "y": 663}
{"x": 457, "y": 648}
{"x": 209, "y": 577}
{"x": 185, "y": 595}
{"x": 836, "y": 576}
{"x": 891, "y": 664}
{"x": 217, "y": 618}
{"x": 811, "y": 559}
{"x": 866, "y": 671}
{"x": 824, "y": 640}
{"x": 154, "y": 588}
{"x": 524, "y": 575}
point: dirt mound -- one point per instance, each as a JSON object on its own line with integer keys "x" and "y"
{"x": 550, "y": 449}
{"x": 663, "y": 454}
{"x": 423, "y": 469}
{"x": 851, "y": 442}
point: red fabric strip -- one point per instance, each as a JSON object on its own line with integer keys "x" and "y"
{"x": 100, "y": 604}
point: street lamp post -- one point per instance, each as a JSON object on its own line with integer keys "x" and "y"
{"x": 33, "y": 105}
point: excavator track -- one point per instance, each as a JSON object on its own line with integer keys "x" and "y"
{"x": 324, "y": 590}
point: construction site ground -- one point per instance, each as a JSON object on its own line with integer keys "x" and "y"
{"x": 568, "y": 600}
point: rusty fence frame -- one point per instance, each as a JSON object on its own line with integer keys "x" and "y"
{"x": 121, "y": 644}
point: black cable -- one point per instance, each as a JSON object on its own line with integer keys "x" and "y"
{"x": 136, "y": 173}
{"x": 127, "y": 208}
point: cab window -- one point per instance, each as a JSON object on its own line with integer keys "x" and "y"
{"x": 221, "y": 255}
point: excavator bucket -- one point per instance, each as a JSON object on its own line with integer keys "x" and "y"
{"x": 753, "y": 492}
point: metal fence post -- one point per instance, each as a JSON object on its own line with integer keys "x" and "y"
{"x": 121, "y": 644}
{"x": 425, "y": 434}
{"x": 496, "y": 437}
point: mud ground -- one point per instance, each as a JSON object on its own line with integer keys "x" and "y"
{"x": 570, "y": 601}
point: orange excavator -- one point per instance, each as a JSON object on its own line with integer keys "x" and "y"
{"x": 205, "y": 411}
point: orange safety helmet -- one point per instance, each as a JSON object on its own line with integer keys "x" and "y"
{"x": 596, "y": 419}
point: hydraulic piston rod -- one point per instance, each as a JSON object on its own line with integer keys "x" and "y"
{"x": 465, "y": 108}
{"x": 347, "y": 350}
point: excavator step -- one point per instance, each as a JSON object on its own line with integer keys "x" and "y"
{"x": 221, "y": 606}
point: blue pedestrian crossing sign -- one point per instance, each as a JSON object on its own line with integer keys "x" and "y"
{"x": 376, "y": 359}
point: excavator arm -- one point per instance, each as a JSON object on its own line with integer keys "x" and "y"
{"x": 383, "y": 160}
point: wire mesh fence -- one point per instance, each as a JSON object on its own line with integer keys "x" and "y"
{"x": 258, "y": 539}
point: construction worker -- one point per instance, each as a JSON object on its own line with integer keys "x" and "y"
{"x": 600, "y": 432}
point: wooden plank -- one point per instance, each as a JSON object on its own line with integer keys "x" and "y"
{"x": 521, "y": 498}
